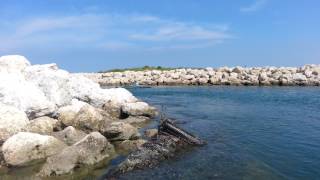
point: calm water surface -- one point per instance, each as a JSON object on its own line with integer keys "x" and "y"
{"x": 252, "y": 132}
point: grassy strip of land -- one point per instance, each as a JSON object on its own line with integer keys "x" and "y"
{"x": 144, "y": 68}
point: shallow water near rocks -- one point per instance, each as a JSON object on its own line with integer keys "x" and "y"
{"x": 252, "y": 132}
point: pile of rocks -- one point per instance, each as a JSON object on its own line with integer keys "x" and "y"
{"x": 63, "y": 120}
{"x": 308, "y": 75}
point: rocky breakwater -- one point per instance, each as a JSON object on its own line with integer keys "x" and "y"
{"x": 308, "y": 75}
{"x": 61, "y": 121}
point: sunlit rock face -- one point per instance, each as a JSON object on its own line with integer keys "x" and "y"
{"x": 25, "y": 147}
{"x": 12, "y": 120}
{"x": 40, "y": 90}
{"x": 65, "y": 120}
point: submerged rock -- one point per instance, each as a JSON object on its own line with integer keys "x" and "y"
{"x": 129, "y": 145}
{"x": 12, "y": 121}
{"x": 150, "y": 133}
{"x": 169, "y": 141}
{"x": 92, "y": 149}
{"x": 136, "y": 120}
{"x": 24, "y": 147}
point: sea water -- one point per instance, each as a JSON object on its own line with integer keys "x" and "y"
{"x": 252, "y": 132}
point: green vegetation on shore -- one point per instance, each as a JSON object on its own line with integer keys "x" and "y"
{"x": 144, "y": 68}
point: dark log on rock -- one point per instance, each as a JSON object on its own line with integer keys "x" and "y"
{"x": 168, "y": 126}
{"x": 170, "y": 139}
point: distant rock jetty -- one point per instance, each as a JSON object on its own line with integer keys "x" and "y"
{"x": 308, "y": 75}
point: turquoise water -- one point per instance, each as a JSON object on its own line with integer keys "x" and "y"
{"x": 252, "y": 132}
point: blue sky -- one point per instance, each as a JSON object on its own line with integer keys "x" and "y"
{"x": 92, "y": 35}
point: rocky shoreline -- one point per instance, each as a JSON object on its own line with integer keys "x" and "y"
{"x": 308, "y": 75}
{"x": 62, "y": 122}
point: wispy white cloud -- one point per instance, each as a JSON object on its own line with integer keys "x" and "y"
{"x": 255, "y": 6}
{"x": 181, "y": 32}
{"x": 110, "y": 32}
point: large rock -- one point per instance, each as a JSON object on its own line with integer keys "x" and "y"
{"x": 24, "y": 148}
{"x": 136, "y": 120}
{"x": 13, "y": 63}
{"x": 119, "y": 131}
{"x": 16, "y": 91}
{"x": 138, "y": 109}
{"x": 42, "y": 125}
{"x": 150, "y": 133}
{"x": 52, "y": 81}
{"x": 40, "y": 90}
{"x": 112, "y": 109}
{"x": 69, "y": 135}
{"x": 88, "y": 91}
{"x": 68, "y": 113}
{"x": 12, "y": 120}
{"x": 92, "y": 149}
{"x": 126, "y": 146}
{"x": 89, "y": 118}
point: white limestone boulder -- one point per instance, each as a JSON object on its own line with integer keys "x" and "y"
{"x": 138, "y": 109}
{"x": 69, "y": 135}
{"x": 92, "y": 149}
{"x": 24, "y": 148}
{"x": 68, "y": 113}
{"x": 84, "y": 116}
{"x": 42, "y": 125}
{"x": 88, "y": 91}
{"x": 52, "y": 81}
{"x": 17, "y": 92}
{"x": 13, "y": 63}
{"x": 12, "y": 121}
{"x": 120, "y": 131}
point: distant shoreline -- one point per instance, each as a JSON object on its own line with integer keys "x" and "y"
{"x": 308, "y": 75}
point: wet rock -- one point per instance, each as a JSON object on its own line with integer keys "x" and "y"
{"x": 136, "y": 120}
{"x": 171, "y": 139}
{"x": 120, "y": 131}
{"x": 24, "y": 148}
{"x": 12, "y": 121}
{"x": 150, "y": 133}
{"x": 92, "y": 149}
{"x": 129, "y": 145}
{"x": 42, "y": 125}
{"x": 69, "y": 135}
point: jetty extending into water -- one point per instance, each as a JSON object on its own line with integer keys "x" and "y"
{"x": 307, "y": 75}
